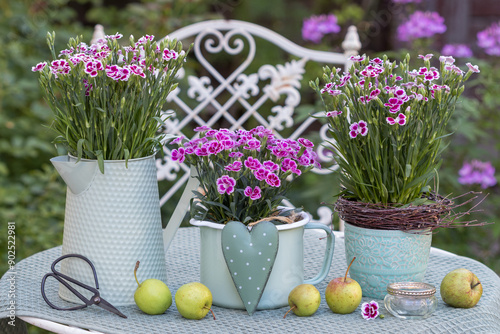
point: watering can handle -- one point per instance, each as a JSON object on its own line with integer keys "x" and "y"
{"x": 330, "y": 246}
{"x": 180, "y": 209}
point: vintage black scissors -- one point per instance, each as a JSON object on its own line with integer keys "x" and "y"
{"x": 63, "y": 279}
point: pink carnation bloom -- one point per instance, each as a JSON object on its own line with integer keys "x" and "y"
{"x": 179, "y": 155}
{"x": 333, "y": 113}
{"x": 39, "y": 66}
{"x": 92, "y": 67}
{"x": 59, "y": 67}
{"x": 401, "y": 120}
{"x": 234, "y": 167}
{"x": 270, "y": 166}
{"x": 273, "y": 180}
{"x": 288, "y": 164}
{"x": 137, "y": 70}
{"x": 252, "y": 144}
{"x": 252, "y": 163}
{"x": 261, "y": 174}
{"x": 359, "y": 128}
{"x": 305, "y": 142}
{"x": 369, "y": 310}
{"x": 115, "y": 36}
{"x": 426, "y": 57}
{"x": 203, "y": 128}
{"x": 169, "y": 54}
{"x": 253, "y": 193}
{"x": 225, "y": 184}
{"x": 473, "y": 68}
{"x": 235, "y": 155}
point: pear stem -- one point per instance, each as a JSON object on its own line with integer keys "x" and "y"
{"x": 135, "y": 273}
{"x": 292, "y": 308}
{"x": 345, "y": 277}
{"x": 213, "y": 314}
{"x": 473, "y": 286}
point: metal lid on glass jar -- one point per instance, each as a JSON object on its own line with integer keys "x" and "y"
{"x": 413, "y": 289}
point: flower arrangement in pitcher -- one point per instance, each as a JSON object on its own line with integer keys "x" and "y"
{"x": 388, "y": 123}
{"x": 107, "y": 98}
{"x": 244, "y": 175}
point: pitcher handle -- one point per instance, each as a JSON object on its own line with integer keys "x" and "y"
{"x": 330, "y": 246}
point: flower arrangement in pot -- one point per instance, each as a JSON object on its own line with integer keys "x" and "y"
{"x": 107, "y": 100}
{"x": 251, "y": 249}
{"x": 388, "y": 123}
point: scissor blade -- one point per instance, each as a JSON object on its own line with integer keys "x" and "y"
{"x": 107, "y": 306}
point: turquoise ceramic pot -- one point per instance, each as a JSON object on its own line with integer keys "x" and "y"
{"x": 385, "y": 256}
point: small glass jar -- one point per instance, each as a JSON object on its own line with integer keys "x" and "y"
{"x": 411, "y": 300}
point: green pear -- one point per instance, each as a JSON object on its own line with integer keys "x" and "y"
{"x": 343, "y": 294}
{"x": 461, "y": 288}
{"x": 152, "y": 296}
{"x": 193, "y": 301}
{"x": 304, "y": 300}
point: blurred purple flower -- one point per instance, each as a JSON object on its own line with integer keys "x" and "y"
{"x": 315, "y": 27}
{"x": 477, "y": 172}
{"x": 457, "y": 50}
{"x": 420, "y": 25}
{"x": 489, "y": 39}
{"x": 406, "y": 1}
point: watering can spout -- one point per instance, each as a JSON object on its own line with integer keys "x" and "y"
{"x": 77, "y": 176}
{"x": 180, "y": 209}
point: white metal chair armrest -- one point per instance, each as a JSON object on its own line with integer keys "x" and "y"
{"x": 56, "y": 327}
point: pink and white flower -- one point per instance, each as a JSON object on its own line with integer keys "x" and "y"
{"x": 117, "y": 73}
{"x": 261, "y": 174}
{"x": 169, "y": 54}
{"x": 357, "y": 58}
{"x": 252, "y": 163}
{"x": 473, "y": 68}
{"x": 252, "y": 144}
{"x": 447, "y": 60}
{"x": 39, "y": 66}
{"x": 115, "y": 36}
{"x": 59, "y": 67}
{"x": 273, "y": 180}
{"x": 93, "y": 67}
{"x": 225, "y": 185}
{"x": 254, "y": 193}
{"x": 358, "y": 128}
{"x": 137, "y": 70}
{"x": 370, "y": 310}
{"x": 179, "y": 154}
{"x": 288, "y": 164}
{"x": 333, "y": 113}
{"x": 270, "y": 166}
{"x": 426, "y": 57}
{"x": 400, "y": 119}
{"x": 305, "y": 142}
{"x": 234, "y": 167}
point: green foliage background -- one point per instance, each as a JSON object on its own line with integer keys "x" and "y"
{"x": 31, "y": 193}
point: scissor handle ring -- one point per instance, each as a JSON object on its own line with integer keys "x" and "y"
{"x": 53, "y": 268}
{"x": 49, "y": 302}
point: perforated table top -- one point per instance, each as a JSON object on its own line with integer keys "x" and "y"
{"x": 183, "y": 267}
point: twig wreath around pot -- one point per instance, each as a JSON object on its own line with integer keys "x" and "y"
{"x": 107, "y": 100}
{"x": 387, "y": 123}
{"x": 251, "y": 250}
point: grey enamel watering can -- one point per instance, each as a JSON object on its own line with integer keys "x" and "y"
{"x": 113, "y": 218}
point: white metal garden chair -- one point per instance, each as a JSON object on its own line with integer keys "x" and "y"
{"x": 211, "y": 96}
